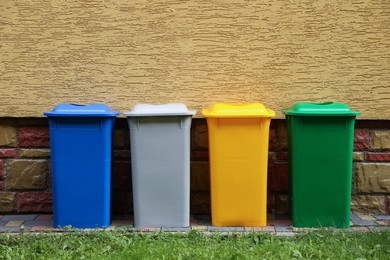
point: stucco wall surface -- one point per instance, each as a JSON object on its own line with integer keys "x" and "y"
{"x": 199, "y": 52}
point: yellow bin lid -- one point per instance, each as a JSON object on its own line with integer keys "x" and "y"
{"x": 238, "y": 110}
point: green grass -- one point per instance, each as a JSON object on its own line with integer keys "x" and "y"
{"x": 194, "y": 245}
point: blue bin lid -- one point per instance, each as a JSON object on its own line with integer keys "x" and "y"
{"x": 75, "y": 110}
{"x": 320, "y": 109}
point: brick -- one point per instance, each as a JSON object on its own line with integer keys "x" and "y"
{"x": 282, "y": 136}
{"x": 20, "y": 217}
{"x": 361, "y": 140}
{"x": 271, "y": 203}
{"x": 34, "y": 136}
{"x": 193, "y": 222}
{"x": 121, "y": 139}
{"x": 283, "y": 216}
{"x": 200, "y": 202}
{"x": 278, "y": 177}
{"x": 7, "y": 201}
{"x": 372, "y": 177}
{"x": 121, "y": 155}
{"x": 1, "y": 169}
{"x": 49, "y": 180}
{"x": 121, "y": 176}
{"x": 122, "y": 202}
{"x": 123, "y": 217}
{"x": 203, "y": 218}
{"x": 34, "y": 153}
{"x": 283, "y": 156}
{"x": 282, "y": 203}
{"x": 200, "y": 176}
{"x": 8, "y": 153}
{"x": 200, "y": 156}
{"x": 372, "y": 156}
{"x": 380, "y": 139}
{"x": 199, "y": 134}
{"x": 35, "y": 202}
{"x": 8, "y": 135}
{"x": 272, "y": 140}
{"x": 358, "y": 156}
{"x": 279, "y": 222}
{"x": 27, "y": 174}
{"x": 373, "y": 124}
{"x": 388, "y": 205}
{"x": 368, "y": 204}
{"x": 272, "y": 156}
{"x": 25, "y": 121}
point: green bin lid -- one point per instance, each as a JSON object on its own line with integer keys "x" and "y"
{"x": 320, "y": 109}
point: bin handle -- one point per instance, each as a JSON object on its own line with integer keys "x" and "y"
{"x": 79, "y": 105}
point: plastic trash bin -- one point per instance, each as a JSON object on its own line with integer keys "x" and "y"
{"x": 238, "y": 145}
{"x": 320, "y": 146}
{"x": 160, "y": 162}
{"x": 80, "y": 144}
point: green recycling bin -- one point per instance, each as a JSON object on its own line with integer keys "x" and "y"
{"x": 320, "y": 149}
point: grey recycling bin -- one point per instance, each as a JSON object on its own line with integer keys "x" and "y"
{"x": 160, "y": 162}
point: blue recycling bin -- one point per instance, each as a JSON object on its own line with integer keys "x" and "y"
{"x": 80, "y": 144}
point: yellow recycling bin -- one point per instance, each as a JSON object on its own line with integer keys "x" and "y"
{"x": 238, "y": 145}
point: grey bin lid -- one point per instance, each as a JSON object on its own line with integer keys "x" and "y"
{"x": 174, "y": 109}
{"x": 75, "y": 110}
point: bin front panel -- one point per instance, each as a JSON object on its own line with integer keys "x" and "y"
{"x": 81, "y": 171}
{"x": 160, "y": 156}
{"x": 321, "y": 170}
{"x": 238, "y": 170}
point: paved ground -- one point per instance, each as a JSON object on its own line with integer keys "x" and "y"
{"x": 279, "y": 224}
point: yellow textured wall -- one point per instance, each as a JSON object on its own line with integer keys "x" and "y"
{"x": 122, "y": 52}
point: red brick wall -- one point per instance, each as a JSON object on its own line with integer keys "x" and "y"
{"x": 25, "y": 179}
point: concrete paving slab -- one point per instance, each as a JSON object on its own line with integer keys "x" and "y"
{"x": 226, "y": 229}
{"x": 381, "y": 217}
{"x": 283, "y": 229}
{"x": 176, "y": 229}
{"x": 14, "y": 223}
{"x": 357, "y": 221}
{"x": 44, "y": 223}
